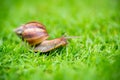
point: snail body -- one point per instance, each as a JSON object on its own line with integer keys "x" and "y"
{"x": 35, "y": 34}
{"x": 49, "y": 45}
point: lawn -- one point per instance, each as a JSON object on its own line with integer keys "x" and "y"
{"x": 93, "y": 56}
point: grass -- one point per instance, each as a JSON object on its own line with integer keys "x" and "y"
{"x": 93, "y": 56}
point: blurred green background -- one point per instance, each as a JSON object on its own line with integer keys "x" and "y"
{"x": 93, "y": 56}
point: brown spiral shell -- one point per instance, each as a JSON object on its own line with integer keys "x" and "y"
{"x": 32, "y": 32}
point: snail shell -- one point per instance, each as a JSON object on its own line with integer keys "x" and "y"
{"x": 32, "y": 32}
{"x": 49, "y": 45}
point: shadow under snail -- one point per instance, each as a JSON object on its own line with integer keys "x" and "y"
{"x": 36, "y": 35}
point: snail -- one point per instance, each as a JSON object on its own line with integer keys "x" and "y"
{"x": 36, "y": 35}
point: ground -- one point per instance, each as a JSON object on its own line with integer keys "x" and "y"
{"x": 95, "y": 55}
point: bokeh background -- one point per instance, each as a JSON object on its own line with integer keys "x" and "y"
{"x": 93, "y": 56}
